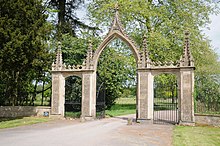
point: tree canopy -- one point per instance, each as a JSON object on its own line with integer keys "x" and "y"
{"x": 164, "y": 23}
{"x": 23, "y": 53}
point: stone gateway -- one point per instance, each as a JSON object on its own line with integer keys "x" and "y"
{"x": 146, "y": 70}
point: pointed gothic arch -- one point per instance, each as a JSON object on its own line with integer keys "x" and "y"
{"x": 113, "y": 35}
{"x": 116, "y": 31}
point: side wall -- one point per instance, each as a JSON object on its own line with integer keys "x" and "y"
{"x": 213, "y": 120}
{"x": 23, "y": 111}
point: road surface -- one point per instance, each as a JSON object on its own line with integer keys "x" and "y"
{"x": 105, "y": 132}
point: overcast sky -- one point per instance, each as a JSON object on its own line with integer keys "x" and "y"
{"x": 214, "y": 32}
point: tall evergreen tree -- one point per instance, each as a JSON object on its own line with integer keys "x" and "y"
{"x": 67, "y": 20}
{"x": 23, "y": 53}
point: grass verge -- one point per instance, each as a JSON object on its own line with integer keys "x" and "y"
{"x": 123, "y": 106}
{"x": 121, "y": 109}
{"x": 196, "y": 136}
{"x": 15, "y": 122}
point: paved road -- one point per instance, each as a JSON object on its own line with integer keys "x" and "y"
{"x": 105, "y": 132}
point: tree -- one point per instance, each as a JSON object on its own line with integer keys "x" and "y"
{"x": 23, "y": 53}
{"x": 116, "y": 70}
{"x": 67, "y": 20}
{"x": 164, "y": 23}
{"x": 207, "y": 93}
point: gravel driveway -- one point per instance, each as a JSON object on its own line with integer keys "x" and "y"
{"x": 105, "y": 132}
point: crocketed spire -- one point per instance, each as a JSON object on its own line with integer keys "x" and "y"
{"x": 186, "y": 58}
{"x": 59, "y": 60}
{"x": 116, "y": 24}
{"x": 145, "y": 58}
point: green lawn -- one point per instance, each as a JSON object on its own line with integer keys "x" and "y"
{"x": 123, "y": 106}
{"x": 121, "y": 109}
{"x": 196, "y": 136}
{"x": 14, "y": 122}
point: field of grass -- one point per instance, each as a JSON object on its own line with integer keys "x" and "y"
{"x": 196, "y": 136}
{"x": 14, "y": 122}
{"x": 121, "y": 109}
{"x": 123, "y": 106}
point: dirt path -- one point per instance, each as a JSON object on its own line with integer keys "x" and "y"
{"x": 105, "y": 132}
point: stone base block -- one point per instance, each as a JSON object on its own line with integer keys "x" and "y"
{"x": 52, "y": 116}
{"x": 83, "y": 119}
{"x": 186, "y": 123}
{"x": 145, "y": 121}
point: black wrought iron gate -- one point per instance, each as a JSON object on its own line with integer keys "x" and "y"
{"x": 73, "y": 96}
{"x": 165, "y": 102}
{"x": 100, "y": 98}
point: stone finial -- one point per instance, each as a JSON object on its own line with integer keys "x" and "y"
{"x": 116, "y": 23}
{"x": 90, "y": 48}
{"x": 186, "y": 58}
{"x": 59, "y": 60}
{"x": 88, "y": 63}
{"x": 144, "y": 42}
{"x": 116, "y": 7}
{"x": 146, "y": 59}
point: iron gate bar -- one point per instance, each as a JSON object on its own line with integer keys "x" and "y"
{"x": 165, "y": 103}
{"x": 100, "y": 98}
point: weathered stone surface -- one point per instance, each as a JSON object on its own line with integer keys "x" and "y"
{"x": 23, "y": 111}
{"x": 58, "y": 94}
{"x": 186, "y": 95}
{"x": 212, "y": 120}
{"x": 145, "y": 94}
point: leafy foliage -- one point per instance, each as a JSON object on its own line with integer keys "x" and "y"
{"x": 23, "y": 53}
{"x": 164, "y": 23}
{"x": 165, "y": 86}
{"x": 73, "y": 49}
{"x": 116, "y": 69}
{"x": 207, "y": 93}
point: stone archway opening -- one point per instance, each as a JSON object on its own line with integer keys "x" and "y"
{"x": 165, "y": 99}
{"x": 73, "y": 96}
{"x": 116, "y": 78}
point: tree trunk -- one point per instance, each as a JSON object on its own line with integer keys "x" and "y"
{"x": 35, "y": 93}
{"x": 42, "y": 99}
{"x": 61, "y": 17}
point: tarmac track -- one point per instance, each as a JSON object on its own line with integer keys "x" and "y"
{"x": 105, "y": 132}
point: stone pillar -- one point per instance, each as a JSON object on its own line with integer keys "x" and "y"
{"x": 58, "y": 94}
{"x": 186, "y": 96}
{"x": 88, "y": 96}
{"x": 145, "y": 95}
